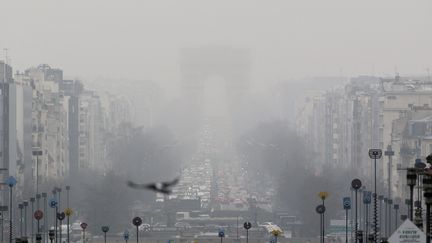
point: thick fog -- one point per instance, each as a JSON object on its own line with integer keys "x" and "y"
{"x": 141, "y": 39}
{"x": 228, "y": 96}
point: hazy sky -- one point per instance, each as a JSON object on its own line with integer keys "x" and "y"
{"x": 141, "y": 39}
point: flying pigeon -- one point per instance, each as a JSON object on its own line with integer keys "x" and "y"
{"x": 161, "y": 187}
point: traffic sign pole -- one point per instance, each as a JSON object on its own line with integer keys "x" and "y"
{"x": 105, "y": 229}
{"x": 346, "y": 225}
{"x": 137, "y": 232}
{"x": 83, "y": 227}
{"x": 356, "y": 184}
{"x": 346, "y": 206}
{"x": 375, "y": 154}
{"x": 247, "y": 226}
{"x": 137, "y": 221}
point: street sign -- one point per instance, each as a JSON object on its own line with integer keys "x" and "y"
{"x": 83, "y": 225}
{"x": 323, "y": 195}
{"x": 247, "y": 225}
{"x": 126, "y": 235}
{"x": 3, "y": 208}
{"x": 137, "y": 221}
{"x": 105, "y": 229}
{"x": 38, "y": 214}
{"x": 407, "y": 232}
{"x": 320, "y": 209}
{"x": 61, "y": 216}
{"x": 68, "y": 212}
{"x": 375, "y": 153}
{"x": 51, "y": 234}
{"x": 221, "y": 233}
{"x": 11, "y": 181}
{"x": 367, "y": 197}
{"x": 53, "y": 203}
{"x": 347, "y": 203}
{"x": 356, "y": 184}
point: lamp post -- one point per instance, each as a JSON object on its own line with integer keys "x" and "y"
{"x": 37, "y": 152}
{"x": 411, "y": 182}
{"x": 375, "y": 154}
{"x": 356, "y": 185}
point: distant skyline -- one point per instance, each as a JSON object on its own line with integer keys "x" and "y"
{"x": 142, "y": 39}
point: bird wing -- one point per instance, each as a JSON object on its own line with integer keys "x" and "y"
{"x": 140, "y": 186}
{"x": 171, "y": 183}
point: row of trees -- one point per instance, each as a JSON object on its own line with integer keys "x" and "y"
{"x": 273, "y": 150}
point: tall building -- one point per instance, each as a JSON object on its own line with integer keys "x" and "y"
{"x": 371, "y": 113}
{"x": 91, "y": 131}
{"x": 24, "y": 97}
{"x": 73, "y": 90}
{"x": 50, "y": 122}
{"x": 7, "y": 120}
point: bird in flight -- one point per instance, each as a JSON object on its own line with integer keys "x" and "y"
{"x": 161, "y": 187}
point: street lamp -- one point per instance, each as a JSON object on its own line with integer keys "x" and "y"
{"x": 375, "y": 154}
{"x": 411, "y": 182}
